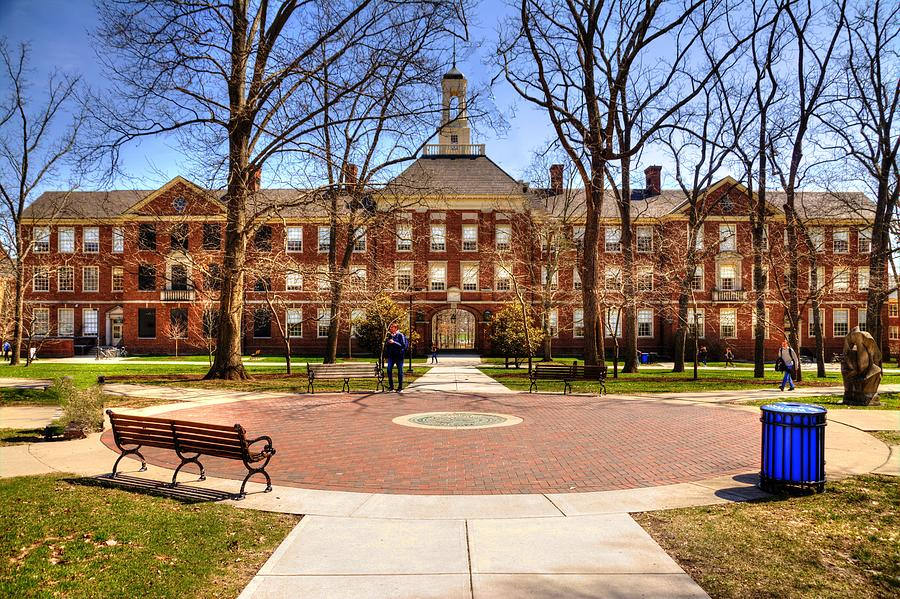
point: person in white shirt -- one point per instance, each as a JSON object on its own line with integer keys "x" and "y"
{"x": 789, "y": 358}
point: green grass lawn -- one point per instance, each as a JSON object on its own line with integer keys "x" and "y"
{"x": 844, "y": 543}
{"x": 889, "y": 401}
{"x": 74, "y": 538}
{"x": 889, "y": 437}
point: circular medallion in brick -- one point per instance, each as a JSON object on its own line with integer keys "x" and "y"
{"x": 457, "y": 420}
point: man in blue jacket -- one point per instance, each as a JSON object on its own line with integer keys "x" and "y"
{"x": 394, "y": 348}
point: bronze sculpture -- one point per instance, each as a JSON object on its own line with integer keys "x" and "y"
{"x": 861, "y": 369}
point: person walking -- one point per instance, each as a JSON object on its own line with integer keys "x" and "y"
{"x": 394, "y": 348}
{"x": 703, "y": 354}
{"x": 729, "y": 357}
{"x": 788, "y": 361}
{"x": 6, "y": 350}
{"x": 434, "y": 351}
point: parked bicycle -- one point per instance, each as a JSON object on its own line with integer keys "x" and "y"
{"x": 105, "y": 353}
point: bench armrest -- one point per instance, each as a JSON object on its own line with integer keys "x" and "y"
{"x": 266, "y": 438}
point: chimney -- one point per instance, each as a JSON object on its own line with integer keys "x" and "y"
{"x": 349, "y": 175}
{"x": 556, "y": 179}
{"x": 653, "y": 178}
{"x": 255, "y": 178}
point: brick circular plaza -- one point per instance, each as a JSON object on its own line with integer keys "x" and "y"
{"x": 563, "y": 444}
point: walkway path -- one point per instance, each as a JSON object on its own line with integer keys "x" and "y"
{"x": 456, "y": 378}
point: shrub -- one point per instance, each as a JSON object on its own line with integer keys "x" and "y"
{"x": 508, "y": 332}
{"x": 82, "y": 408}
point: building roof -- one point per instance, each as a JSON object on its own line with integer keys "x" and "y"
{"x": 454, "y": 175}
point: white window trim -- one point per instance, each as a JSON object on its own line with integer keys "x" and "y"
{"x": 34, "y": 319}
{"x": 463, "y": 267}
{"x": 84, "y": 313}
{"x": 59, "y": 313}
{"x": 834, "y": 237}
{"x": 45, "y": 241}
{"x": 575, "y": 320}
{"x": 287, "y": 284}
{"x": 59, "y": 286}
{"x": 360, "y": 242}
{"x": 84, "y": 240}
{"x": 722, "y": 324}
{"x": 463, "y": 240}
{"x": 112, "y": 279}
{"x": 437, "y": 246}
{"x": 288, "y": 240}
{"x": 432, "y": 281}
{"x": 59, "y": 240}
{"x": 638, "y": 238}
{"x": 45, "y": 272}
{"x": 118, "y": 240}
{"x": 638, "y": 323}
{"x": 834, "y": 321}
{"x": 323, "y": 249}
{"x": 84, "y": 278}
{"x": 401, "y": 239}
{"x": 287, "y": 322}
{"x": 507, "y": 245}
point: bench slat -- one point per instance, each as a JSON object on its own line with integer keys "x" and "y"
{"x": 143, "y": 420}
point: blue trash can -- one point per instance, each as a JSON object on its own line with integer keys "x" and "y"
{"x": 793, "y": 446}
{"x": 645, "y": 358}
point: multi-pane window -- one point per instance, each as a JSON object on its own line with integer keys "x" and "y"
{"x": 817, "y": 238}
{"x": 146, "y": 323}
{"x": 841, "y": 241}
{"x": 65, "y": 322}
{"x": 65, "y": 278}
{"x": 893, "y": 310}
{"x": 612, "y": 280}
{"x": 262, "y": 239}
{"x": 438, "y": 238}
{"x": 469, "y": 276}
{"x": 404, "y": 237}
{"x": 862, "y": 278}
{"x": 645, "y": 239}
{"x": 696, "y": 322}
{"x": 841, "y": 322}
{"x": 645, "y": 278}
{"x": 40, "y": 322}
{"x": 727, "y": 277}
{"x": 862, "y": 318}
{"x": 178, "y": 277}
{"x": 437, "y": 276}
{"x": 91, "y": 240}
{"x": 323, "y": 320}
{"x": 293, "y": 281}
{"x": 551, "y": 281}
{"x": 613, "y": 323}
{"x": 147, "y": 238}
{"x": 811, "y": 326}
{"x": 503, "y": 280}
{"x": 262, "y": 323}
{"x": 894, "y": 333}
{"x": 324, "y": 239}
{"x": 470, "y": 238}
{"x": 359, "y": 242}
{"x": 697, "y": 278}
{"x": 865, "y": 241}
{"x": 294, "y": 239}
{"x": 841, "y": 278}
{"x": 89, "y": 322}
{"x": 66, "y": 240}
{"x": 294, "y": 320}
{"x": 118, "y": 278}
{"x": 403, "y": 274}
{"x": 90, "y": 278}
{"x": 178, "y": 236}
{"x": 819, "y": 275}
{"x": 727, "y": 237}
{"x": 576, "y": 279}
{"x": 727, "y": 323}
{"x": 40, "y": 280}
{"x": 118, "y": 240}
{"x": 765, "y": 323}
{"x": 358, "y": 277}
{"x": 212, "y": 236}
{"x": 553, "y": 322}
{"x": 147, "y": 278}
{"x": 578, "y": 322}
{"x": 613, "y": 239}
{"x": 323, "y": 281}
{"x": 503, "y": 237}
{"x": 645, "y": 323}
{"x": 578, "y": 237}
{"x": 40, "y": 240}
{"x": 698, "y": 237}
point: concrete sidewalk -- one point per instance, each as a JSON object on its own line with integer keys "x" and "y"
{"x": 456, "y": 379}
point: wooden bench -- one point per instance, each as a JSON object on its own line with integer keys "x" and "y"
{"x": 190, "y": 440}
{"x": 567, "y": 373}
{"x": 344, "y": 371}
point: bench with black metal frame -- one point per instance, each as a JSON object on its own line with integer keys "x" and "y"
{"x": 567, "y": 373}
{"x": 189, "y": 441}
{"x": 344, "y": 371}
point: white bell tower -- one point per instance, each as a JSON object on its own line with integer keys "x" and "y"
{"x": 454, "y": 119}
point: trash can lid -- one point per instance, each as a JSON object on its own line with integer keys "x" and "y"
{"x": 787, "y": 407}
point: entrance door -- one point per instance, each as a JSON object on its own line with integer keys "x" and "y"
{"x": 453, "y": 329}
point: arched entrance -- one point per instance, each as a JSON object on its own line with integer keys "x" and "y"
{"x": 453, "y": 329}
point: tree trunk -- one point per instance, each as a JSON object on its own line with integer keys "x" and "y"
{"x": 590, "y": 281}
{"x": 758, "y": 222}
{"x": 337, "y": 289}
{"x": 820, "y": 345}
{"x": 681, "y": 330}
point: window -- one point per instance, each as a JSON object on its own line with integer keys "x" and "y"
{"x": 403, "y": 274}
{"x": 469, "y": 276}
{"x": 212, "y": 236}
{"x": 438, "y": 238}
{"x": 549, "y": 242}
{"x": 41, "y": 279}
{"x": 40, "y": 322}
{"x": 89, "y": 322}
{"x": 697, "y": 279}
{"x": 553, "y": 322}
{"x": 323, "y": 281}
{"x": 862, "y": 278}
{"x": 324, "y": 239}
{"x": 727, "y": 237}
{"x": 178, "y": 323}
{"x": 90, "y": 278}
{"x": 861, "y": 318}
{"x": 817, "y": 237}
{"x": 503, "y": 237}
{"x": 727, "y": 323}
{"x": 323, "y": 319}
{"x": 645, "y": 278}
{"x": 262, "y": 239}
{"x": 437, "y": 276}
{"x": 840, "y": 322}
{"x": 553, "y": 278}
{"x": 811, "y": 332}
{"x": 894, "y": 333}
{"x": 147, "y": 239}
{"x": 359, "y": 243}
{"x": 696, "y": 322}
{"x": 645, "y": 323}
{"x": 210, "y": 323}
{"x": 147, "y": 279}
{"x": 66, "y": 241}
{"x": 613, "y": 279}
{"x": 726, "y": 203}
{"x": 293, "y": 281}
{"x": 840, "y": 240}
{"x": 65, "y": 322}
{"x": 356, "y": 317}
{"x": 294, "y": 320}
{"x": 502, "y": 278}
{"x": 178, "y": 277}
{"x": 698, "y": 237}
{"x": 613, "y": 323}
{"x": 118, "y": 240}
{"x": 65, "y": 278}
{"x": 765, "y": 323}
{"x": 358, "y": 277}
{"x": 178, "y": 236}
{"x": 865, "y": 241}
{"x": 212, "y": 278}
{"x": 294, "y": 239}
{"x": 262, "y": 324}
{"x": 893, "y": 309}
{"x": 645, "y": 239}
{"x": 613, "y": 239}
{"x": 41, "y": 240}
{"x": 404, "y": 237}
{"x": 118, "y": 278}
{"x": 576, "y": 279}
{"x": 819, "y": 282}
{"x": 841, "y": 278}
{"x": 578, "y": 322}
{"x": 727, "y": 277}
{"x": 578, "y": 237}
{"x": 765, "y": 238}
{"x": 262, "y": 284}
{"x": 470, "y": 238}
